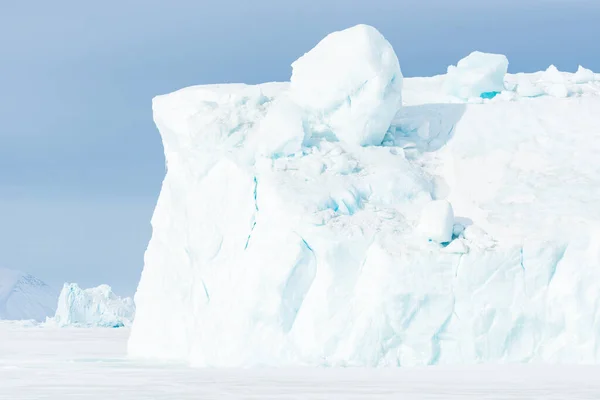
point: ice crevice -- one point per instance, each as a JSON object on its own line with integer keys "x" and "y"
{"x": 254, "y": 216}
{"x": 206, "y": 291}
{"x": 521, "y": 262}
{"x": 297, "y": 284}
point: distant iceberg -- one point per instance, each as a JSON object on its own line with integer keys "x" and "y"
{"x": 95, "y": 307}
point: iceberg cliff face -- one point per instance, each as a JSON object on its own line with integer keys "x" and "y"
{"x": 94, "y": 307}
{"x": 23, "y": 296}
{"x": 284, "y": 236}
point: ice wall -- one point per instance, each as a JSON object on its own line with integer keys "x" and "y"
{"x": 280, "y": 237}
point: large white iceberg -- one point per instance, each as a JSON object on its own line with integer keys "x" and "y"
{"x": 23, "y": 296}
{"x": 311, "y": 253}
{"x": 94, "y": 307}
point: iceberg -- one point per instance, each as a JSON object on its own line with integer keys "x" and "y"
{"x": 477, "y": 75}
{"x": 282, "y": 244}
{"x": 584, "y": 75}
{"x": 24, "y": 297}
{"x": 94, "y": 307}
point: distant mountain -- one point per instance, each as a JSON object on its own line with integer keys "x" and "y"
{"x": 23, "y": 296}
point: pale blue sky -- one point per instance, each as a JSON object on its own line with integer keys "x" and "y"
{"x": 80, "y": 160}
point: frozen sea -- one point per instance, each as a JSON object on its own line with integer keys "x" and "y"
{"x": 39, "y": 362}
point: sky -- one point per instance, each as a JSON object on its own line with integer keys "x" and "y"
{"x": 81, "y": 162}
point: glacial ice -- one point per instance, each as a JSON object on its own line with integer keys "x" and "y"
{"x": 281, "y": 131}
{"x": 23, "y": 296}
{"x": 437, "y": 221}
{"x": 94, "y": 307}
{"x": 351, "y": 83}
{"x": 271, "y": 250}
{"x": 477, "y": 75}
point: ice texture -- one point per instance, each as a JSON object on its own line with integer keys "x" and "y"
{"x": 477, "y": 75}
{"x": 583, "y": 75}
{"x": 437, "y": 221}
{"x": 94, "y": 307}
{"x": 559, "y": 90}
{"x": 311, "y": 254}
{"x": 350, "y": 82}
{"x": 281, "y": 132}
{"x": 526, "y": 88}
{"x": 23, "y": 296}
{"x": 553, "y": 75}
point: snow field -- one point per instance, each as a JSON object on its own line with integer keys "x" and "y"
{"x": 90, "y": 363}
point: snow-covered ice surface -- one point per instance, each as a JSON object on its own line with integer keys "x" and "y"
{"x": 93, "y": 307}
{"x": 279, "y": 243}
{"x": 82, "y": 363}
{"x": 23, "y": 296}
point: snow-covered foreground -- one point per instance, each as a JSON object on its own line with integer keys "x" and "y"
{"x": 90, "y": 363}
